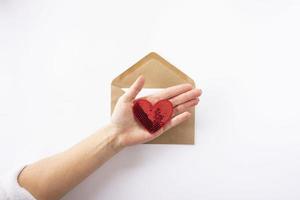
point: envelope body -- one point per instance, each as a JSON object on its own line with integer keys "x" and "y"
{"x": 158, "y": 73}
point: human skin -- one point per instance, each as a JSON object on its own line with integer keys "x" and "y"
{"x": 51, "y": 178}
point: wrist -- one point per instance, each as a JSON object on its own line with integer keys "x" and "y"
{"x": 116, "y": 135}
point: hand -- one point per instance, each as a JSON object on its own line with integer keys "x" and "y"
{"x": 182, "y": 97}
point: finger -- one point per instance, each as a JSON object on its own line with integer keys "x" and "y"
{"x": 134, "y": 89}
{"x": 185, "y": 106}
{"x": 184, "y": 97}
{"x": 177, "y": 120}
{"x": 174, "y": 122}
{"x": 172, "y": 91}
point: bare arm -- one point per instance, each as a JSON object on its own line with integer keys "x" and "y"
{"x": 51, "y": 178}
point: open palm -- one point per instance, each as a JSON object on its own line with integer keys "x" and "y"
{"x": 182, "y": 97}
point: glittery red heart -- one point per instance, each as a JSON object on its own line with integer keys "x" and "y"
{"x": 152, "y": 117}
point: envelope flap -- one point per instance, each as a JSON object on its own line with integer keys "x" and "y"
{"x": 158, "y": 73}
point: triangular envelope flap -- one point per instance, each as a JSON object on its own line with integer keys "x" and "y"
{"x": 157, "y": 71}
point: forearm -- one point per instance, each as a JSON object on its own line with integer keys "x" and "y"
{"x": 52, "y": 177}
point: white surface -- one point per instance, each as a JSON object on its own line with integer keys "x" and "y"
{"x": 57, "y": 59}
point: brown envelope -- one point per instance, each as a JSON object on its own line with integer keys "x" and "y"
{"x": 158, "y": 73}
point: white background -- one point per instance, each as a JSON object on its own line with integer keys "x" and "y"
{"x": 58, "y": 57}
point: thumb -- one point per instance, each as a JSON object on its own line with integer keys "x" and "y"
{"x": 134, "y": 89}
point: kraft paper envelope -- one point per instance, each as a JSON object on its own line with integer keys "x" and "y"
{"x": 158, "y": 73}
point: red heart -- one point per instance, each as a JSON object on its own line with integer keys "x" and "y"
{"x": 152, "y": 117}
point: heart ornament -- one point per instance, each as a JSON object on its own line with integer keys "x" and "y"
{"x": 152, "y": 117}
